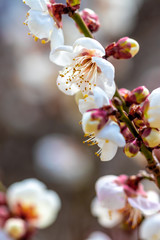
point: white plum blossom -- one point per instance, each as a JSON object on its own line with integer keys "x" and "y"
{"x": 150, "y": 228}
{"x": 152, "y": 111}
{"x": 98, "y": 236}
{"x": 95, "y": 123}
{"x": 119, "y": 194}
{"x": 31, "y": 200}
{"x": 84, "y": 67}
{"x": 41, "y": 23}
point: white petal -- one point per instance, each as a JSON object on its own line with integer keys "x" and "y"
{"x": 145, "y": 205}
{"x": 109, "y": 150}
{"x": 64, "y": 87}
{"x": 40, "y": 24}
{"x": 112, "y": 133}
{"x": 102, "y": 82}
{"x": 106, "y": 67}
{"x": 100, "y": 97}
{"x": 39, "y": 5}
{"x": 98, "y": 236}
{"x": 88, "y": 43}
{"x": 86, "y": 104}
{"x": 150, "y": 228}
{"x": 25, "y": 190}
{"x": 110, "y": 195}
{"x": 106, "y": 218}
{"x": 62, "y": 56}
{"x": 57, "y": 38}
{"x": 48, "y": 206}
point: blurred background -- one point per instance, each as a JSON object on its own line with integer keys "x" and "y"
{"x": 40, "y": 135}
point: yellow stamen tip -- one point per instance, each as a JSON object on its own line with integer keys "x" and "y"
{"x": 43, "y": 42}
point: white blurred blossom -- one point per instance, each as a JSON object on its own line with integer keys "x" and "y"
{"x": 31, "y": 199}
{"x": 150, "y": 228}
{"x": 116, "y": 194}
{"x": 98, "y": 236}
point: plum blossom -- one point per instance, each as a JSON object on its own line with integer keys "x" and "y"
{"x": 123, "y": 195}
{"x": 150, "y": 228}
{"x": 98, "y": 126}
{"x": 152, "y": 109}
{"x": 41, "y": 23}
{"x": 98, "y": 236}
{"x": 84, "y": 67}
{"x": 31, "y": 201}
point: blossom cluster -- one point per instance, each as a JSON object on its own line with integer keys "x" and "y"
{"x": 27, "y": 206}
{"x": 111, "y": 118}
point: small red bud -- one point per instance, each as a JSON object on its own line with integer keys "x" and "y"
{"x": 91, "y": 19}
{"x": 125, "y": 48}
{"x": 131, "y": 149}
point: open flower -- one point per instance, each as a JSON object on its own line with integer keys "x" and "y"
{"x": 31, "y": 201}
{"x": 103, "y": 132}
{"x": 41, "y": 23}
{"x": 84, "y": 67}
{"x": 150, "y": 228}
{"x": 130, "y": 200}
{"x": 96, "y": 124}
{"x": 152, "y": 108}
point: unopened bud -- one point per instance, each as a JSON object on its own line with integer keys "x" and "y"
{"x": 151, "y": 137}
{"x": 124, "y": 92}
{"x": 15, "y": 227}
{"x": 91, "y": 19}
{"x": 131, "y": 149}
{"x": 125, "y": 48}
{"x": 139, "y": 122}
{"x": 139, "y": 94}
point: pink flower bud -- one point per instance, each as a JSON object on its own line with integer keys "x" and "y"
{"x": 131, "y": 149}
{"x": 125, "y": 48}
{"x": 138, "y": 95}
{"x": 151, "y": 137}
{"x": 91, "y": 19}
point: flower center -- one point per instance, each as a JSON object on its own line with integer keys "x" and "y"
{"x": 82, "y": 73}
{"x": 26, "y": 211}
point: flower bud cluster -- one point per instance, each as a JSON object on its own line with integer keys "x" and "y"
{"x": 27, "y": 206}
{"x": 143, "y": 112}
